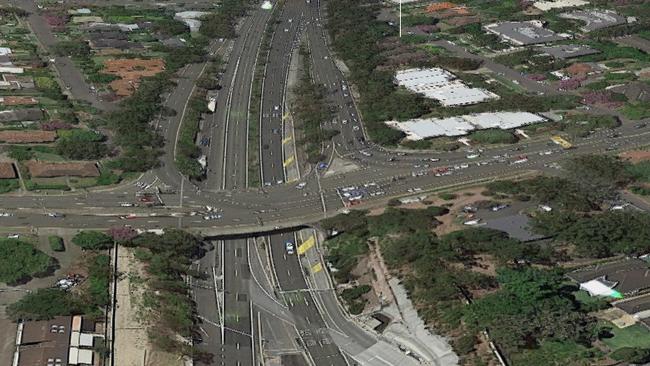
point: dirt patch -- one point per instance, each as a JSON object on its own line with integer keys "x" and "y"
{"x": 635, "y": 156}
{"x": 130, "y": 72}
{"x": 132, "y": 346}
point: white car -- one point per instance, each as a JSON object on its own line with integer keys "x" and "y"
{"x": 6, "y": 214}
{"x": 301, "y": 185}
{"x": 276, "y": 107}
{"x": 55, "y": 214}
{"x": 13, "y": 236}
{"x": 289, "y": 247}
{"x": 473, "y": 156}
{"x": 126, "y": 204}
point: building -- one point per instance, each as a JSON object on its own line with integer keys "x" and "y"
{"x": 17, "y": 100}
{"x": 595, "y": 19}
{"x": 566, "y": 51}
{"x": 20, "y": 115}
{"x": 19, "y": 81}
{"x": 191, "y": 19}
{"x": 441, "y": 85}
{"x": 422, "y": 128}
{"x": 11, "y": 70}
{"x": 62, "y": 341}
{"x": 7, "y": 170}
{"x": 524, "y": 33}
{"x": 558, "y": 4}
{"x": 26, "y": 136}
{"x": 627, "y": 277}
{"x": 5, "y": 51}
{"x": 86, "y": 19}
{"x": 39, "y": 169}
{"x": 638, "y": 307}
{"x": 634, "y": 91}
{"x": 516, "y": 226}
{"x": 45, "y": 342}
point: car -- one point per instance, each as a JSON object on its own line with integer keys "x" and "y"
{"x": 301, "y": 185}
{"x": 289, "y": 247}
{"x": 345, "y": 121}
{"x": 13, "y": 236}
{"x": 434, "y": 160}
{"x": 473, "y": 156}
{"x": 55, "y": 214}
{"x": 355, "y": 128}
{"x": 212, "y": 216}
{"x": 276, "y": 107}
{"x": 499, "y": 207}
{"x": 640, "y": 125}
{"x": 279, "y": 181}
{"x": 6, "y": 214}
{"x": 275, "y": 131}
{"x": 127, "y": 204}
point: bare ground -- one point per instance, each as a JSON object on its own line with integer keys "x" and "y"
{"x": 132, "y": 346}
{"x": 635, "y": 156}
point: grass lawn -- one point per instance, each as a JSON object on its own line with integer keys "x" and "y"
{"x": 44, "y": 156}
{"x": 633, "y": 336}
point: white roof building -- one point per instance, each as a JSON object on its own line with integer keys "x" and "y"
{"x": 558, "y": 4}
{"x": 4, "y": 51}
{"x": 440, "y": 84}
{"x": 77, "y": 356}
{"x": 11, "y": 70}
{"x": 600, "y": 287}
{"x": 422, "y": 128}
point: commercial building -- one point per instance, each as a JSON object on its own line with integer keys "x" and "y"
{"x": 441, "y": 85}
{"x": 595, "y": 19}
{"x": 558, "y": 4}
{"x": 62, "y": 341}
{"x": 422, "y": 128}
{"x": 627, "y": 277}
{"x": 524, "y": 33}
{"x": 566, "y": 51}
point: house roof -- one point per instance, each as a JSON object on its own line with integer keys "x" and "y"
{"x": 630, "y": 275}
{"x": 517, "y": 227}
{"x": 579, "y": 69}
{"x": 634, "y": 91}
{"x": 7, "y": 170}
{"x": 18, "y": 100}
{"x": 39, "y": 169}
{"x": 28, "y": 114}
{"x": 26, "y": 136}
{"x": 635, "y": 305}
{"x": 45, "y": 342}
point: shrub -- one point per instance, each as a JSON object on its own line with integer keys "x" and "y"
{"x": 93, "y": 240}
{"x": 56, "y": 243}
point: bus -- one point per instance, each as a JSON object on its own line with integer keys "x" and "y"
{"x": 562, "y": 142}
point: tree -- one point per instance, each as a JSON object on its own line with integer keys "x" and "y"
{"x": 45, "y": 304}
{"x": 602, "y": 174}
{"x": 74, "y": 48}
{"x": 20, "y": 261}
{"x": 631, "y": 355}
{"x": 93, "y": 240}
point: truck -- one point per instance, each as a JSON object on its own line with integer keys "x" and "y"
{"x": 559, "y": 140}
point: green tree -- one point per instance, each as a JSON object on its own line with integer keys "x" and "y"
{"x": 45, "y": 304}
{"x": 93, "y": 240}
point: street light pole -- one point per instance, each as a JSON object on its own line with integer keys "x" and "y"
{"x": 400, "y": 18}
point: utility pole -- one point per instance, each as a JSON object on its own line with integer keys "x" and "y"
{"x": 400, "y": 18}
